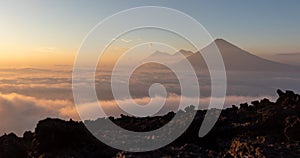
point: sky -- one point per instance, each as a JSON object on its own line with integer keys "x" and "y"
{"x": 50, "y": 32}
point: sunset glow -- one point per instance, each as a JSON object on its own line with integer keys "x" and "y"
{"x": 39, "y": 42}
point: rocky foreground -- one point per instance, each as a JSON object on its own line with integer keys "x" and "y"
{"x": 261, "y": 129}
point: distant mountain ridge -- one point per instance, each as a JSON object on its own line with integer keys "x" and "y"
{"x": 234, "y": 58}
{"x": 169, "y": 58}
{"x": 238, "y": 59}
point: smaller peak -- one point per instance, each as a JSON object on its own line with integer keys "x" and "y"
{"x": 186, "y": 53}
{"x": 159, "y": 54}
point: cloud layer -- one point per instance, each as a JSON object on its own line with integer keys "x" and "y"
{"x": 19, "y": 112}
{"x": 28, "y": 95}
{"x": 90, "y": 111}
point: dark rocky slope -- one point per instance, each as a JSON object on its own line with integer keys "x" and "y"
{"x": 261, "y": 129}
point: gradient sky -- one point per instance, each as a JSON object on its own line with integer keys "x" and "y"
{"x": 39, "y": 32}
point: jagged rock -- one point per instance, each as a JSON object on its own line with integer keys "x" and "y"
{"x": 280, "y": 93}
{"x": 241, "y": 149}
{"x": 255, "y": 103}
{"x": 292, "y": 130}
{"x": 12, "y": 146}
{"x": 265, "y": 101}
{"x": 244, "y": 105}
{"x": 265, "y": 129}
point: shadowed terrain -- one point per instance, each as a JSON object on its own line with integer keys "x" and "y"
{"x": 260, "y": 129}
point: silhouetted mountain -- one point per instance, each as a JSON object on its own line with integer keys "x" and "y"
{"x": 238, "y": 59}
{"x": 185, "y": 53}
{"x": 169, "y": 58}
{"x": 260, "y": 129}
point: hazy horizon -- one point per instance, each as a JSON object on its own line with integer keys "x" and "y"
{"x": 46, "y": 91}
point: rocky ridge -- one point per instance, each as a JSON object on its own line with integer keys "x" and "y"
{"x": 260, "y": 129}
